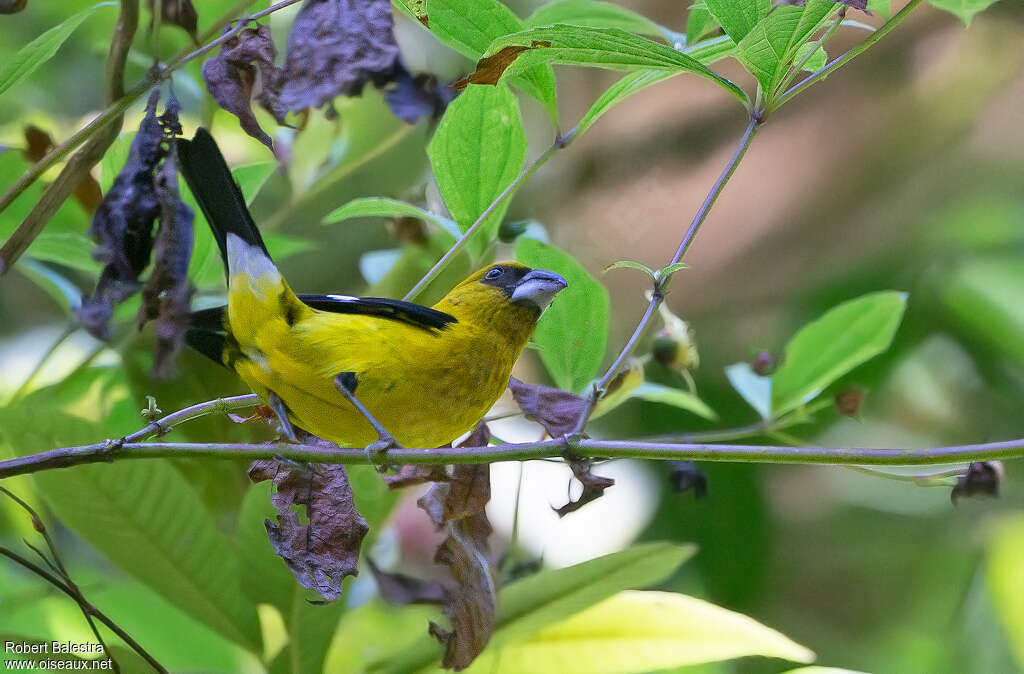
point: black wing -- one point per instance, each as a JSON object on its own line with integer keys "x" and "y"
{"x": 415, "y": 314}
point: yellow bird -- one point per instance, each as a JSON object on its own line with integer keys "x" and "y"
{"x": 427, "y": 375}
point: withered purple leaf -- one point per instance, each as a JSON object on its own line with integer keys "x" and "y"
{"x": 123, "y": 225}
{"x": 593, "y": 486}
{"x": 334, "y": 48}
{"x": 416, "y": 96}
{"x": 244, "y": 70}
{"x": 178, "y": 13}
{"x": 400, "y": 589}
{"x": 556, "y": 410}
{"x": 167, "y": 295}
{"x": 321, "y": 553}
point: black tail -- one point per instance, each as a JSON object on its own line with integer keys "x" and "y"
{"x": 211, "y": 183}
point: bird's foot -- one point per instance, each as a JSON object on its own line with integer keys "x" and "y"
{"x": 376, "y": 452}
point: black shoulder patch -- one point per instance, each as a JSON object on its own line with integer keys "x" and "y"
{"x": 414, "y": 314}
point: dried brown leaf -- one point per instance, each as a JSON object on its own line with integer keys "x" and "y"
{"x": 244, "y": 70}
{"x": 470, "y": 602}
{"x": 321, "y": 553}
{"x": 123, "y": 225}
{"x": 593, "y": 486}
{"x": 489, "y": 69}
{"x": 408, "y": 476}
{"x": 556, "y": 410}
{"x": 38, "y": 143}
{"x": 334, "y": 48}
{"x": 178, "y": 13}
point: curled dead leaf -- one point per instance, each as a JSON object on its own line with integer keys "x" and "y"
{"x": 242, "y": 71}
{"x": 179, "y": 13}
{"x": 593, "y": 486}
{"x": 401, "y": 589}
{"x": 556, "y": 410}
{"x": 321, "y": 553}
{"x": 489, "y": 69}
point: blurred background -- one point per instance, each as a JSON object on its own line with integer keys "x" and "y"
{"x": 905, "y": 170}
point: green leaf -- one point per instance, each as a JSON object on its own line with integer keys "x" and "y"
{"x": 594, "y": 14}
{"x": 630, "y": 264}
{"x": 699, "y": 23}
{"x": 826, "y": 349}
{"x": 417, "y": 9}
{"x": 470, "y": 26}
{"x": 478, "y": 150}
{"x": 42, "y": 49}
{"x": 671, "y": 269}
{"x": 142, "y": 515}
{"x": 635, "y": 631}
{"x": 882, "y": 7}
{"x": 573, "y": 331}
{"x": 545, "y": 598}
{"x": 706, "y": 52}
{"x": 114, "y": 159}
{"x": 1004, "y": 576}
{"x": 771, "y": 46}
{"x": 251, "y": 177}
{"x": 754, "y": 388}
{"x": 684, "y": 400}
{"x": 816, "y": 60}
{"x": 66, "y": 294}
{"x": 965, "y": 9}
{"x": 814, "y": 669}
{"x": 70, "y": 249}
{"x": 737, "y": 17}
{"x": 389, "y": 208}
{"x": 602, "y": 47}
{"x": 981, "y": 297}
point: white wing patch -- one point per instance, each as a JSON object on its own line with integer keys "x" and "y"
{"x": 343, "y": 298}
{"x": 249, "y": 260}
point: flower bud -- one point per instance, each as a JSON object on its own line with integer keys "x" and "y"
{"x": 848, "y": 402}
{"x": 981, "y": 479}
{"x": 674, "y": 346}
{"x": 763, "y": 363}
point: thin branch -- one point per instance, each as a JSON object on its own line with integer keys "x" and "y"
{"x": 659, "y": 292}
{"x": 86, "y": 606}
{"x": 528, "y": 451}
{"x": 83, "y": 161}
{"x": 839, "y": 62}
{"x": 560, "y": 142}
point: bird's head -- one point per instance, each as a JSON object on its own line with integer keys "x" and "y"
{"x": 505, "y": 287}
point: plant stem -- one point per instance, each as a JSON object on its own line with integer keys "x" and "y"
{"x": 88, "y": 608}
{"x": 528, "y": 171}
{"x": 585, "y": 448}
{"x": 839, "y": 62}
{"x": 661, "y": 287}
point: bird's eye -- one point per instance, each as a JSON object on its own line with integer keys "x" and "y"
{"x": 493, "y": 273}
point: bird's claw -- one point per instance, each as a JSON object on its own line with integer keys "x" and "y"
{"x": 376, "y": 452}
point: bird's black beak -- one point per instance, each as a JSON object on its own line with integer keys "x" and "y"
{"x": 538, "y": 288}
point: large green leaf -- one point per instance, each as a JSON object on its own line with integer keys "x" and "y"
{"x": 572, "y": 333}
{"x": 470, "y": 26}
{"x": 593, "y": 13}
{"x": 770, "y": 47}
{"x": 965, "y": 9}
{"x": 142, "y": 515}
{"x": 981, "y": 296}
{"x": 635, "y": 631}
{"x": 388, "y": 208}
{"x": 40, "y": 50}
{"x": 826, "y": 349}
{"x": 478, "y": 150}
{"x": 605, "y": 48}
{"x": 666, "y": 395}
{"x": 706, "y": 52}
{"x": 529, "y": 605}
{"x": 736, "y": 17}
{"x": 1005, "y": 579}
